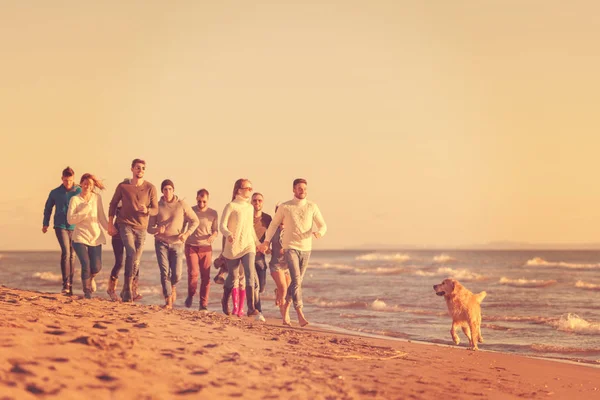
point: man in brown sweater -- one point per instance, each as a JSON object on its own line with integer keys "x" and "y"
{"x": 139, "y": 201}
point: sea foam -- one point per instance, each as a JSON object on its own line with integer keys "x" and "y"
{"x": 526, "y": 283}
{"x": 540, "y": 262}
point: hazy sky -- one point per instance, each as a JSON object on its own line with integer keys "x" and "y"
{"x": 427, "y": 123}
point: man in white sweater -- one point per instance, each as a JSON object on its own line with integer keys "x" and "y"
{"x": 300, "y": 218}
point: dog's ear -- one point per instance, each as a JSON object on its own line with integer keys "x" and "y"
{"x": 452, "y": 284}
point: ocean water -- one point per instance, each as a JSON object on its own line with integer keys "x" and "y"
{"x": 539, "y": 303}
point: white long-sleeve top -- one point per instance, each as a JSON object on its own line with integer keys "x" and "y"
{"x": 299, "y": 217}
{"x": 89, "y": 219}
{"x": 238, "y": 220}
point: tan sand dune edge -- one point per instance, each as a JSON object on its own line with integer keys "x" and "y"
{"x": 53, "y": 346}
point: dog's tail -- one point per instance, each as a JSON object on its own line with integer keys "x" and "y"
{"x": 480, "y": 296}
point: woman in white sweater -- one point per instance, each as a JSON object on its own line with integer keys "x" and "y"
{"x": 86, "y": 212}
{"x": 237, "y": 227}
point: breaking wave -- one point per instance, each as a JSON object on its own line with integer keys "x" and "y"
{"x": 398, "y": 257}
{"x": 540, "y": 262}
{"x": 589, "y": 286}
{"x": 574, "y": 323}
{"x": 460, "y": 274}
{"x": 443, "y": 259}
{"x": 526, "y": 283}
{"x": 48, "y": 276}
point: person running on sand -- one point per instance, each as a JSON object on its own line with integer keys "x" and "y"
{"x": 168, "y": 228}
{"x": 60, "y": 198}
{"x": 262, "y": 221}
{"x": 198, "y": 250}
{"x": 87, "y": 214}
{"x": 279, "y": 268}
{"x": 118, "y": 251}
{"x": 236, "y": 225}
{"x": 139, "y": 202}
{"x": 300, "y": 217}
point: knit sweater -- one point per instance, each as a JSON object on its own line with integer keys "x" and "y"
{"x": 173, "y": 216}
{"x": 209, "y": 224}
{"x": 238, "y": 220}
{"x": 89, "y": 220}
{"x": 132, "y": 197}
{"x": 300, "y": 217}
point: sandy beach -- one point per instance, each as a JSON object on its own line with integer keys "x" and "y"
{"x": 55, "y": 346}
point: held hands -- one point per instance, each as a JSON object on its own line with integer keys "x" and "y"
{"x": 263, "y": 247}
{"x": 112, "y": 231}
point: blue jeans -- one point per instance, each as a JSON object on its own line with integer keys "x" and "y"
{"x": 90, "y": 258}
{"x": 170, "y": 261}
{"x": 251, "y": 280}
{"x": 133, "y": 239}
{"x": 67, "y": 255}
{"x": 261, "y": 272}
{"x": 297, "y": 262}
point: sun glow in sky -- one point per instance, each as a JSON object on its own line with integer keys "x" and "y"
{"x": 430, "y": 124}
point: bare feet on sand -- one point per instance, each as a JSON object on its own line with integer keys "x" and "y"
{"x": 285, "y": 313}
{"x": 301, "y": 320}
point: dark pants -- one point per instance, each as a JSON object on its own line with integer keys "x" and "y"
{"x": 118, "y": 251}
{"x": 67, "y": 255}
{"x": 232, "y": 280}
{"x": 90, "y": 258}
{"x": 261, "y": 273}
{"x": 198, "y": 259}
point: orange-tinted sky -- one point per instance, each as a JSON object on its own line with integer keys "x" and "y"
{"x": 434, "y": 124}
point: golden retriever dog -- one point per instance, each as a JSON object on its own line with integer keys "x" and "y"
{"x": 465, "y": 309}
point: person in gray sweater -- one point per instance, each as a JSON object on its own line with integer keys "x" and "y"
{"x": 168, "y": 228}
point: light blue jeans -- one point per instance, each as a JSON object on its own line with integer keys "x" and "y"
{"x": 170, "y": 261}
{"x": 297, "y": 262}
{"x": 133, "y": 239}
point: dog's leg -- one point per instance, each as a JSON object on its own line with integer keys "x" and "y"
{"x": 474, "y": 335}
{"x": 455, "y": 337}
{"x": 480, "y": 338}
{"x": 467, "y": 332}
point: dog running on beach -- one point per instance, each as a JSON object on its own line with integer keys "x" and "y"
{"x": 465, "y": 309}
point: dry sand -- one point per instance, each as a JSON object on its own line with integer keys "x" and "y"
{"x": 53, "y": 346}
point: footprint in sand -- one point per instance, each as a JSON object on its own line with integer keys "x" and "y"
{"x": 57, "y": 332}
{"x": 191, "y": 389}
{"x": 232, "y": 357}
{"x": 106, "y": 378}
{"x": 141, "y": 325}
{"x": 18, "y": 369}
{"x": 100, "y": 326}
{"x": 122, "y": 330}
{"x": 210, "y": 346}
{"x": 199, "y": 372}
